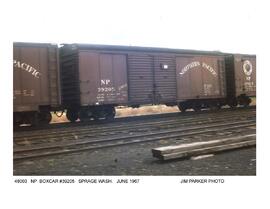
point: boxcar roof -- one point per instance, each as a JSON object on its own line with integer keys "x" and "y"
{"x": 139, "y": 49}
{"x": 128, "y": 48}
{"x": 31, "y": 44}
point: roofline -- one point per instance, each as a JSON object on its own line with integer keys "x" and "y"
{"x": 33, "y": 44}
{"x": 130, "y": 48}
{"x": 140, "y": 49}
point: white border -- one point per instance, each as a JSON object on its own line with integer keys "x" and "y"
{"x": 152, "y": 192}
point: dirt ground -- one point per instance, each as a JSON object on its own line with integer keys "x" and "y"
{"x": 137, "y": 160}
{"x": 129, "y": 111}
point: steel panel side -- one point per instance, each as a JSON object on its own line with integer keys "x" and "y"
{"x": 120, "y": 78}
{"x": 103, "y": 78}
{"x": 245, "y": 75}
{"x": 141, "y": 78}
{"x": 31, "y": 77}
{"x": 17, "y": 81}
{"x": 200, "y": 77}
{"x": 165, "y": 80}
{"x": 88, "y": 77}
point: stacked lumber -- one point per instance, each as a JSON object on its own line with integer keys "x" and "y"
{"x": 201, "y": 148}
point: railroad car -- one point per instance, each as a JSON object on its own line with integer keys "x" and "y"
{"x": 241, "y": 79}
{"x": 93, "y": 79}
{"x": 36, "y": 88}
{"x": 96, "y": 78}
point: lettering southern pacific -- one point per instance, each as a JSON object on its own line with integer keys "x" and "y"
{"x": 28, "y": 68}
{"x": 196, "y": 64}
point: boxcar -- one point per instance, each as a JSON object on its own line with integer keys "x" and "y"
{"x": 241, "y": 77}
{"x": 96, "y": 78}
{"x": 35, "y": 82}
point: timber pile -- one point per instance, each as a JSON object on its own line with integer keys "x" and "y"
{"x": 201, "y": 148}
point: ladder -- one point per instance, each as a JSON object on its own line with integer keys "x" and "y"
{"x": 53, "y": 67}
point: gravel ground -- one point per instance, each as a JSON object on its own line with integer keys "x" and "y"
{"x": 137, "y": 160}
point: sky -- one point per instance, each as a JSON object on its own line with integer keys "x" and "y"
{"x": 228, "y": 26}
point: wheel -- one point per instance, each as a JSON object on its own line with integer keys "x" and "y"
{"x": 219, "y": 106}
{"x": 196, "y": 108}
{"x": 233, "y": 104}
{"x": 215, "y": 107}
{"x": 246, "y": 102}
{"x": 97, "y": 114}
{"x": 107, "y": 113}
{"x": 16, "y": 124}
{"x": 85, "y": 115}
{"x": 182, "y": 108}
{"x": 33, "y": 119}
{"x": 110, "y": 113}
{"x": 72, "y": 115}
{"x": 45, "y": 117}
{"x": 17, "y": 120}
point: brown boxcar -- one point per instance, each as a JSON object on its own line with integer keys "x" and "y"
{"x": 35, "y": 82}
{"x": 95, "y": 78}
{"x": 241, "y": 75}
{"x": 201, "y": 81}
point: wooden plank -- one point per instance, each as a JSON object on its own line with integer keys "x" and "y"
{"x": 207, "y": 150}
{"x": 198, "y": 145}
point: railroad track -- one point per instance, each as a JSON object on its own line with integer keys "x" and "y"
{"x": 62, "y": 139}
{"x": 115, "y": 128}
{"x": 121, "y": 120}
{"x": 241, "y": 122}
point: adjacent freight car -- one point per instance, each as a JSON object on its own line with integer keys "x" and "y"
{"x": 35, "y": 82}
{"x": 96, "y": 78}
{"x": 241, "y": 79}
